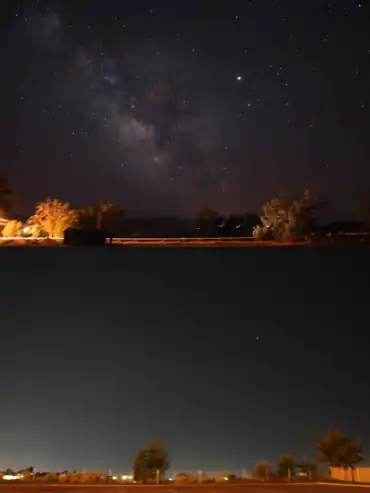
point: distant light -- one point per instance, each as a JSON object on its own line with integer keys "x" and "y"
{"x": 226, "y": 478}
{"x": 239, "y": 78}
{"x": 125, "y": 477}
{"x": 114, "y": 478}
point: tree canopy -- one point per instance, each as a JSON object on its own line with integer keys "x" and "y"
{"x": 53, "y": 217}
{"x": 284, "y": 220}
{"x": 286, "y": 465}
{"x": 149, "y": 460}
{"x": 262, "y": 470}
{"x": 6, "y": 197}
{"x": 338, "y": 450}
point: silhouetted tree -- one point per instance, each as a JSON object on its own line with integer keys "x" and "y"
{"x": 88, "y": 217}
{"x": 6, "y": 197}
{"x": 150, "y": 460}
{"x": 262, "y": 470}
{"x": 286, "y": 465}
{"x": 27, "y": 473}
{"x": 365, "y": 213}
{"x": 208, "y": 221}
{"x": 250, "y": 222}
{"x": 338, "y": 450}
{"x": 107, "y": 217}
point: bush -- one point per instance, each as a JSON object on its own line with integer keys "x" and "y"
{"x": 184, "y": 478}
{"x": 12, "y": 229}
{"x": 51, "y": 478}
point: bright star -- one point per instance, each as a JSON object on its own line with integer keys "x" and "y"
{"x": 239, "y": 78}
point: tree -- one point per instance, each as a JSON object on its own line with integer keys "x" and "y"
{"x": 88, "y": 217}
{"x": 150, "y": 460}
{"x": 338, "y": 450}
{"x": 28, "y": 473}
{"x": 12, "y": 229}
{"x": 207, "y": 222}
{"x": 237, "y": 225}
{"x": 262, "y": 470}
{"x": 53, "y": 217}
{"x": 112, "y": 218}
{"x": 286, "y": 221}
{"x": 107, "y": 217}
{"x": 365, "y": 213}
{"x": 286, "y": 465}
{"x": 51, "y": 477}
{"x": 6, "y": 197}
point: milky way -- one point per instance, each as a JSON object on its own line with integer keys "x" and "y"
{"x": 166, "y": 110}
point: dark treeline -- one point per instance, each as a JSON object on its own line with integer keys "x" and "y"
{"x": 280, "y": 219}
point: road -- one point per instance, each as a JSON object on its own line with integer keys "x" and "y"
{"x": 212, "y": 488}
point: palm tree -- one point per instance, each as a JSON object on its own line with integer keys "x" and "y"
{"x": 338, "y": 450}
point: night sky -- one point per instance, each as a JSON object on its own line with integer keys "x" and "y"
{"x": 227, "y": 355}
{"x": 167, "y": 107}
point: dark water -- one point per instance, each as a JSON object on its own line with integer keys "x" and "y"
{"x": 281, "y": 333}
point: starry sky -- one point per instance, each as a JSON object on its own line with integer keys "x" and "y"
{"x": 167, "y": 108}
{"x": 229, "y": 356}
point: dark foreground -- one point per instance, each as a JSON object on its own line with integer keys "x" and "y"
{"x": 212, "y": 488}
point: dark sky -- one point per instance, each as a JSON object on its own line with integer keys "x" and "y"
{"x": 103, "y": 351}
{"x": 165, "y": 107}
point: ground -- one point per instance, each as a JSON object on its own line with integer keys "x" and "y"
{"x": 173, "y": 488}
{"x": 169, "y": 242}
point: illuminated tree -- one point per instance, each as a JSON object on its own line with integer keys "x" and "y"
{"x": 338, "y": 450}
{"x": 53, "y": 217}
{"x": 150, "y": 460}
{"x": 12, "y": 229}
{"x": 288, "y": 221}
